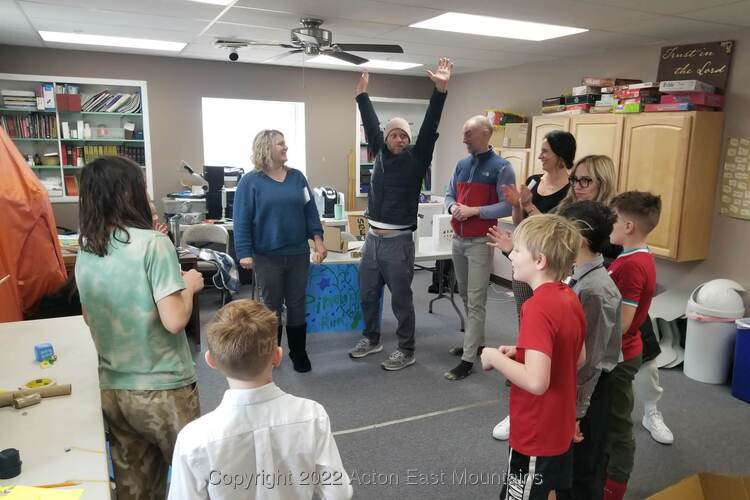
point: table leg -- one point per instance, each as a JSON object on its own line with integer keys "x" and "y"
{"x": 440, "y": 268}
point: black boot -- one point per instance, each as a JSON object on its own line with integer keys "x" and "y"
{"x": 279, "y": 333}
{"x": 296, "y": 337}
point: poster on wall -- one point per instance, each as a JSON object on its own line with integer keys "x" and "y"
{"x": 708, "y": 62}
{"x": 332, "y": 299}
{"x": 735, "y": 195}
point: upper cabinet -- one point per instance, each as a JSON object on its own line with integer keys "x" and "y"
{"x": 518, "y": 159}
{"x": 541, "y": 126}
{"x": 674, "y": 155}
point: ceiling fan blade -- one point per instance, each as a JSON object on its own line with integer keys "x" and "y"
{"x": 283, "y": 55}
{"x": 345, "y": 56}
{"x": 370, "y": 47}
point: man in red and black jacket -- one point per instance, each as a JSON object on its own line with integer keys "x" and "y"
{"x": 475, "y": 201}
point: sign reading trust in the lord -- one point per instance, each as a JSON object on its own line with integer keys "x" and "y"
{"x": 708, "y": 62}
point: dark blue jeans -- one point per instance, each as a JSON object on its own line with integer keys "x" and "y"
{"x": 283, "y": 280}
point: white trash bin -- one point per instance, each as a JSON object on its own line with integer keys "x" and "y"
{"x": 712, "y": 310}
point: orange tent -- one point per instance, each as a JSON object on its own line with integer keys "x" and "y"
{"x": 31, "y": 264}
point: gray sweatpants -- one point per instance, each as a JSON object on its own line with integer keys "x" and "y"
{"x": 472, "y": 262}
{"x": 388, "y": 261}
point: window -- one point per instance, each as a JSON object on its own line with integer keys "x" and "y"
{"x": 230, "y": 125}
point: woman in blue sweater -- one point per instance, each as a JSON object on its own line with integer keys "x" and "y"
{"x": 274, "y": 217}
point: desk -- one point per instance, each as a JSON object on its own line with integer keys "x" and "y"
{"x": 42, "y": 432}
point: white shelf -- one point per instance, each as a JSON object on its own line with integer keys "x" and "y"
{"x": 88, "y": 87}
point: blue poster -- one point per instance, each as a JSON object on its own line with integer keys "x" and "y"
{"x": 332, "y": 299}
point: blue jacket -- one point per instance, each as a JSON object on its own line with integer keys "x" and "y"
{"x": 476, "y": 183}
{"x": 271, "y": 216}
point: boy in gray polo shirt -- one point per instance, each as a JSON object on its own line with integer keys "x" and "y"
{"x": 602, "y": 304}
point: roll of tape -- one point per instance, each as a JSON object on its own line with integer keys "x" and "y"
{"x": 38, "y": 383}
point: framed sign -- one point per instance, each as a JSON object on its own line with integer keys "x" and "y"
{"x": 707, "y": 62}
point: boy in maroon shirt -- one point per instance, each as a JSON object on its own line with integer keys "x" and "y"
{"x": 542, "y": 366}
{"x": 634, "y": 273}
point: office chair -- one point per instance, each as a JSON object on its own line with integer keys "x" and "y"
{"x": 208, "y": 236}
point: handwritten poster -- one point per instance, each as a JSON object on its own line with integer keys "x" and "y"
{"x": 735, "y": 195}
{"x": 332, "y": 299}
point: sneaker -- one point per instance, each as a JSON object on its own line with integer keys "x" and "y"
{"x": 398, "y": 360}
{"x": 654, "y": 424}
{"x": 501, "y": 432}
{"x": 364, "y": 348}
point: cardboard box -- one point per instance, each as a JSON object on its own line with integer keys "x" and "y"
{"x": 704, "y": 486}
{"x": 585, "y": 89}
{"x": 553, "y": 101}
{"x": 498, "y": 133}
{"x": 442, "y": 232}
{"x": 699, "y": 98}
{"x": 337, "y": 240}
{"x": 581, "y": 99}
{"x": 677, "y": 106}
{"x": 673, "y": 86}
{"x": 358, "y": 225}
{"x": 630, "y": 108}
{"x": 517, "y": 135}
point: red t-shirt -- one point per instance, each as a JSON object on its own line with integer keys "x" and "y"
{"x": 552, "y": 322}
{"x": 634, "y": 273}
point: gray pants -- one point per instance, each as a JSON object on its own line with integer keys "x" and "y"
{"x": 283, "y": 280}
{"x": 388, "y": 261}
{"x": 472, "y": 262}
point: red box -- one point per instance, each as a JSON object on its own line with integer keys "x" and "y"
{"x": 62, "y": 102}
{"x": 74, "y": 102}
{"x": 699, "y": 98}
{"x": 678, "y": 106}
{"x": 583, "y": 107}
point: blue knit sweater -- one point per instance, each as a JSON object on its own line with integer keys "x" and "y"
{"x": 272, "y": 217}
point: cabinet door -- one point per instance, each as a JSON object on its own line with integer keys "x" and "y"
{"x": 518, "y": 159}
{"x": 654, "y": 158}
{"x": 598, "y": 135}
{"x": 541, "y": 126}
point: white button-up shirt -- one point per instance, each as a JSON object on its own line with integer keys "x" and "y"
{"x": 259, "y": 443}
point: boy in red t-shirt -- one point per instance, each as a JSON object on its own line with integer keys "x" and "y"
{"x": 634, "y": 273}
{"x": 542, "y": 366}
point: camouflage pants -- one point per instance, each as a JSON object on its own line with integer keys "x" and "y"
{"x": 143, "y": 427}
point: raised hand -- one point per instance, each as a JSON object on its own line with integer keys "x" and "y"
{"x": 510, "y": 193}
{"x": 442, "y": 74}
{"x": 525, "y": 195}
{"x": 364, "y": 81}
{"x": 502, "y": 240}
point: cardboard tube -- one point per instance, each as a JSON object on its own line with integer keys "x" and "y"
{"x": 24, "y": 401}
{"x": 6, "y": 399}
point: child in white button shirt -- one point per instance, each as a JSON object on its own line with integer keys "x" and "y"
{"x": 260, "y": 442}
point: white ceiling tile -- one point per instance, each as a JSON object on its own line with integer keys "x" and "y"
{"x": 673, "y": 28}
{"x": 24, "y": 37}
{"x": 669, "y": 7}
{"x": 111, "y": 30}
{"x": 255, "y": 33}
{"x": 72, "y": 16}
{"x": 444, "y": 38}
{"x": 168, "y": 8}
{"x": 736, "y": 14}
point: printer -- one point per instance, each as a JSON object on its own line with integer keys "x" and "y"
{"x": 325, "y": 199}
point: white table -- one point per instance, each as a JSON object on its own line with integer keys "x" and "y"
{"x": 44, "y": 431}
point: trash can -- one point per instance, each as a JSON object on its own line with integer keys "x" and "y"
{"x": 712, "y": 310}
{"x": 741, "y": 375}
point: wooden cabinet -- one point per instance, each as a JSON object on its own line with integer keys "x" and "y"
{"x": 598, "y": 134}
{"x": 541, "y": 126}
{"x": 675, "y": 155}
{"x": 518, "y": 159}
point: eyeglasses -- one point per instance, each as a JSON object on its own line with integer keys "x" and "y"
{"x": 583, "y": 182}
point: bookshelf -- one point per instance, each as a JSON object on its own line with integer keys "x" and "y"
{"x": 67, "y": 133}
{"x": 413, "y": 111}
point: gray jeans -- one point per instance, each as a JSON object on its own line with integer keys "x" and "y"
{"x": 388, "y": 261}
{"x": 472, "y": 262}
{"x": 283, "y": 280}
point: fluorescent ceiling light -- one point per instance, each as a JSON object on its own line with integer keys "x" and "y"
{"x": 495, "y": 26}
{"x": 372, "y": 64}
{"x": 111, "y": 41}
{"x": 214, "y": 2}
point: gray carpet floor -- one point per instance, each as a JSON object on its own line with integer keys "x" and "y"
{"x": 415, "y": 435}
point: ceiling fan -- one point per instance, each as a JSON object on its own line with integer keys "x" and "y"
{"x": 312, "y": 40}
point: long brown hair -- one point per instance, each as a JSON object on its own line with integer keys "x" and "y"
{"x": 112, "y": 198}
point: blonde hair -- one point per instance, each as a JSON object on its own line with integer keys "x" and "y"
{"x": 553, "y": 236}
{"x": 262, "y": 147}
{"x": 241, "y": 338}
{"x": 602, "y": 171}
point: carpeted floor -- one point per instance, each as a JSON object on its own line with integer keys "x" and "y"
{"x": 415, "y": 435}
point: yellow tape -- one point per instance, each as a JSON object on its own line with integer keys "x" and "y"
{"x": 38, "y": 383}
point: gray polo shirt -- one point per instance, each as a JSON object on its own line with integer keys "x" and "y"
{"x": 602, "y": 305}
